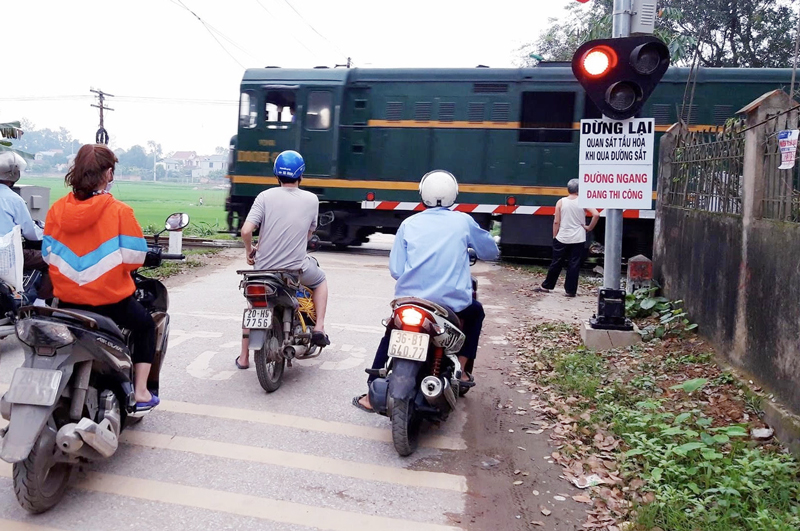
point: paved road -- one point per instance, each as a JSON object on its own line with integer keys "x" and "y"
{"x": 219, "y": 453}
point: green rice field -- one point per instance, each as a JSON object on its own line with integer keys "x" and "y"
{"x": 153, "y": 202}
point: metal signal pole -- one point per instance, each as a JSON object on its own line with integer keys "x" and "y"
{"x": 101, "y": 137}
{"x": 612, "y": 264}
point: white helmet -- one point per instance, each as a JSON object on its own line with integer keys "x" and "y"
{"x": 11, "y": 166}
{"x": 438, "y": 188}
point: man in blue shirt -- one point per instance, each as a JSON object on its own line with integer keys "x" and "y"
{"x": 429, "y": 260}
{"x": 14, "y": 211}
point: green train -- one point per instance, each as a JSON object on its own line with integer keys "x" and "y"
{"x": 510, "y": 136}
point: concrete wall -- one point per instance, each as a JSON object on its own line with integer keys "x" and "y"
{"x": 701, "y": 267}
{"x": 738, "y": 275}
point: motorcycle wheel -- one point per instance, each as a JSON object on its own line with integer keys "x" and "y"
{"x": 405, "y": 428}
{"x": 270, "y": 373}
{"x": 40, "y": 481}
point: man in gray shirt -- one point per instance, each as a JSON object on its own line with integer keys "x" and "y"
{"x": 286, "y": 218}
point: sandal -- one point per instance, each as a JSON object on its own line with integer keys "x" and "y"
{"x": 142, "y": 407}
{"x": 468, "y": 383}
{"x": 540, "y": 289}
{"x": 361, "y": 406}
{"x": 242, "y": 367}
{"x": 320, "y": 339}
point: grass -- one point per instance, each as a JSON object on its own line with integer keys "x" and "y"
{"x": 153, "y": 202}
{"x": 687, "y": 466}
{"x": 168, "y": 268}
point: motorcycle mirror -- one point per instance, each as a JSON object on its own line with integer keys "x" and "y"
{"x": 473, "y": 256}
{"x": 177, "y": 221}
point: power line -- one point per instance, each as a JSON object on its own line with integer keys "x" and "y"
{"x": 301, "y": 43}
{"x": 314, "y": 29}
{"x": 132, "y": 99}
{"x": 181, "y": 4}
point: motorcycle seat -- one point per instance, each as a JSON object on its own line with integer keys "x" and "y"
{"x": 440, "y": 309}
{"x": 106, "y": 324}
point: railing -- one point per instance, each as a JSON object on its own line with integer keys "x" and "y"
{"x": 707, "y": 169}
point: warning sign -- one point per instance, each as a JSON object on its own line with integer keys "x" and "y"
{"x": 616, "y": 163}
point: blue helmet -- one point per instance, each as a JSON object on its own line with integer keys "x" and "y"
{"x": 289, "y": 165}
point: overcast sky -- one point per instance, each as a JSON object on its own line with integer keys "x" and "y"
{"x": 176, "y": 80}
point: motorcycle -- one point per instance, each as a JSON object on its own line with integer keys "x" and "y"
{"x": 422, "y": 378}
{"x": 280, "y": 318}
{"x": 74, "y": 393}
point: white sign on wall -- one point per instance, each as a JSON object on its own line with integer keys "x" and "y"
{"x": 616, "y": 163}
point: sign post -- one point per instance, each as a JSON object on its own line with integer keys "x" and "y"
{"x": 616, "y": 153}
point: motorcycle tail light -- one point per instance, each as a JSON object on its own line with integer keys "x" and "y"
{"x": 46, "y": 335}
{"x": 257, "y": 294}
{"x": 411, "y": 316}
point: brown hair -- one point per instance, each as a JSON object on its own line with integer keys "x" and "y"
{"x": 86, "y": 173}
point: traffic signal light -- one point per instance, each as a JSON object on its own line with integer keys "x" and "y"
{"x": 620, "y": 74}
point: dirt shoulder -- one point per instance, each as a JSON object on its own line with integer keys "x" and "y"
{"x": 514, "y": 482}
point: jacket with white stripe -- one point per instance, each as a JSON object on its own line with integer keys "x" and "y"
{"x": 92, "y": 246}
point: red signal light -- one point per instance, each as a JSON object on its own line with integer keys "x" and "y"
{"x": 511, "y": 200}
{"x": 370, "y": 196}
{"x": 583, "y": 1}
{"x": 598, "y": 61}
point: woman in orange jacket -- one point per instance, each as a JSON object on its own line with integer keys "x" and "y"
{"x": 92, "y": 242}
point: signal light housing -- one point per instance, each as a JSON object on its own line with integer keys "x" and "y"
{"x": 635, "y": 65}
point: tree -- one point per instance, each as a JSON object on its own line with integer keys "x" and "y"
{"x": 220, "y": 150}
{"x": 135, "y": 157}
{"x": 732, "y": 33}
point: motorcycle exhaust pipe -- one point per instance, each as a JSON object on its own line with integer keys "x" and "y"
{"x": 434, "y": 390}
{"x": 100, "y": 437}
{"x": 295, "y": 351}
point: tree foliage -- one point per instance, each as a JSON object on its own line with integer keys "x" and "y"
{"x": 729, "y": 33}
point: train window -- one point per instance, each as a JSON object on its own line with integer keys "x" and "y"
{"x": 279, "y": 106}
{"x": 248, "y": 110}
{"x": 318, "y": 115}
{"x": 361, "y": 104}
{"x": 547, "y": 117}
{"x": 447, "y": 111}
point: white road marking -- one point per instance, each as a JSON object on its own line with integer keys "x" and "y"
{"x": 356, "y": 359}
{"x": 326, "y": 465}
{"x": 305, "y": 423}
{"x": 238, "y": 317}
{"x": 243, "y": 504}
{"x": 176, "y": 337}
{"x": 200, "y": 368}
{"x": 11, "y": 525}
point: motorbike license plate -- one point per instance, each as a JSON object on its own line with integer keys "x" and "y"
{"x": 257, "y": 318}
{"x": 36, "y": 387}
{"x": 408, "y": 345}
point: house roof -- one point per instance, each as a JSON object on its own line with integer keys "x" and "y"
{"x": 183, "y": 155}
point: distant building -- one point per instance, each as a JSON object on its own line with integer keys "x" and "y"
{"x": 187, "y": 158}
{"x": 207, "y": 164}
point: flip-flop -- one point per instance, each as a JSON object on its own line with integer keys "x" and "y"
{"x": 320, "y": 339}
{"x": 469, "y": 383}
{"x": 147, "y": 406}
{"x": 242, "y": 367}
{"x": 360, "y": 406}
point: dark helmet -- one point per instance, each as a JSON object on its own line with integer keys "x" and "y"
{"x": 289, "y": 165}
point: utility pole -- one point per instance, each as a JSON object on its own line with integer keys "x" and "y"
{"x": 101, "y": 137}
